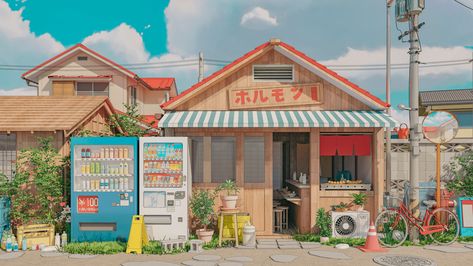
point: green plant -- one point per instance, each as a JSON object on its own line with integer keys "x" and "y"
{"x": 341, "y": 205}
{"x": 202, "y": 206}
{"x": 323, "y": 222}
{"x": 306, "y": 237}
{"x": 462, "y": 169}
{"x": 229, "y": 186}
{"x": 359, "y": 198}
{"x": 154, "y": 247}
{"x": 111, "y": 247}
{"x": 132, "y": 123}
{"x": 36, "y": 191}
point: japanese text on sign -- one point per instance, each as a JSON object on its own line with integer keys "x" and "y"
{"x": 241, "y": 98}
{"x": 87, "y": 204}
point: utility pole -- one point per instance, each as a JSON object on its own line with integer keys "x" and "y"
{"x": 414, "y": 136}
{"x": 201, "y": 66}
{"x": 388, "y": 94}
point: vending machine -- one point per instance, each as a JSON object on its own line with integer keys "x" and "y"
{"x": 104, "y": 184}
{"x": 164, "y": 186}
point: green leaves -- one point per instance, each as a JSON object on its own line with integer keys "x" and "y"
{"x": 323, "y": 222}
{"x": 359, "y": 198}
{"x": 229, "y": 186}
{"x": 95, "y": 248}
{"x": 462, "y": 169}
{"x": 132, "y": 123}
{"x": 202, "y": 206}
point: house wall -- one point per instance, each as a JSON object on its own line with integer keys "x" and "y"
{"x": 215, "y": 97}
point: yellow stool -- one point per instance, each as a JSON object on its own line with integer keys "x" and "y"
{"x": 232, "y": 213}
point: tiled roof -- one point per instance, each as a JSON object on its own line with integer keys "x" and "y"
{"x": 440, "y": 97}
{"x": 47, "y": 113}
{"x": 159, "y": 83}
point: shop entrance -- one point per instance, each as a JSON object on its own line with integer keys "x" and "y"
{"x": 291, "y": 190}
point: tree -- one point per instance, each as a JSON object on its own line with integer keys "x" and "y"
{"x": 132, "y": 123}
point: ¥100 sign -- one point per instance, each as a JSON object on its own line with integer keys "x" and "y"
{"x": 283, "y": 95}
{"x": 87, "y": 204}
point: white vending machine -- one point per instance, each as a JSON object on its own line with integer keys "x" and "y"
{"x": 165, "y": 186}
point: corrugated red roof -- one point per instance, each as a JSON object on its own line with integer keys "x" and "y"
{"x": 292, "y": 50}
{"x": 159, "y": 83}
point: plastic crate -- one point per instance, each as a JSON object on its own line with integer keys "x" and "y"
{"x": 36, "y": 234}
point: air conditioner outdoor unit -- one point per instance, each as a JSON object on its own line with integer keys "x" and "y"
{"x": 350, "y": 224}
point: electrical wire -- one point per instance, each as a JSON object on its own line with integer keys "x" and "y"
{"x": 466, "y": 6}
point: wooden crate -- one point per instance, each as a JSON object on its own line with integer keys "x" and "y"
{"x": 36, "y": 234}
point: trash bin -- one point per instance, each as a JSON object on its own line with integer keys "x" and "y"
{"x": 249, "y": 235}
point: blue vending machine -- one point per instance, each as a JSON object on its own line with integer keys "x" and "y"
{"x": 104, "y": 187}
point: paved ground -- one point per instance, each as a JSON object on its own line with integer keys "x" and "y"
{"x": 259, "y": 256}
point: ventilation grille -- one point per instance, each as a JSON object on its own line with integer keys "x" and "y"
{"x": 345, "y": 225}
{"x": 273, "y": 72}
{"x": 82, "y": 58}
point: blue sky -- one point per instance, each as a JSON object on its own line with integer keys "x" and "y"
{"x": 334, "y": 32}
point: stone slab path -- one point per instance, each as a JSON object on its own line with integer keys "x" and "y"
{"x": 53, "y": 254}
{"x": 283, "y": 258}
{"x": 285, "y": 244}
{"x": 199, "y": 263}
{"x": 82, "y": 256}
{"x": 329, "y": 255}
{"x": 11, "y": 255}
{"x": 207, "y": 258}
{"x": 149, "y": 263}
{"x": 447, "y": 249}
{"x": 400, "y": 260}
{"x": 239, "y": 259}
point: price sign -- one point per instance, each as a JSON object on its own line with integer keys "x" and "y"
{"x": 87, "y": 204}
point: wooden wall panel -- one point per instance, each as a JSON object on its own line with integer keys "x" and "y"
{"x": 215, "y": 97}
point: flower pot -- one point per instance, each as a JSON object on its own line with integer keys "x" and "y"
{"x": 205, "y": 235}
{"x": 229, "y": 202}
{"x": 324, "y": 239}
{"x": 360, "y": 208}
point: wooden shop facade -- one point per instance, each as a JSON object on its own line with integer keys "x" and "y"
{"x": 288, "y": 130}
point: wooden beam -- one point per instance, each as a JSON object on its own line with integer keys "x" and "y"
{"x": 314, "y": 168}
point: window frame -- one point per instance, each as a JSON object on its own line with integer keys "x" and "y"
{"x": 197, "y": 139}
{"x": 212, "y": 138}
{"x": 272, "y": 80}
{"x": 133, "y": 95}
{"x": 93, "y": 88}
{"x": 8, "y": 158}
{"x": 245, "y": 180}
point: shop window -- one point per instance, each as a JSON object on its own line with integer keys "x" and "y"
{"x": 465, "y": 119}
{"x": 197, "y": 157}
{"x": 92, "y": 88}
{"x": 273, "y": 73}
{"x": 7, "y": 154}
{"x": 223, "y": 159}
{"x": 254, "y": 160}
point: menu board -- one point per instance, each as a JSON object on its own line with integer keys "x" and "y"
{"x": 162, "y": 165}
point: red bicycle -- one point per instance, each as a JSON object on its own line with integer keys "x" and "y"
{"x": 392, "y": 224}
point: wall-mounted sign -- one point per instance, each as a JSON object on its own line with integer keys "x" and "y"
{"x": 87, "y": 204}
{"x": 284, "y": 95}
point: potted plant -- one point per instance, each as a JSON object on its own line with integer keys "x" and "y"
{"x": 323, "y": 222}
{"x": 202, "y": 207}
{"x": 342, "y": 207}
{"x": 229, "y": 199}
{"x": 359, "y": 200}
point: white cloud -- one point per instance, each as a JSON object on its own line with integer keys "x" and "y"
{"x": 400, "y": 115}
{"x": 122, "y": 44}
{"x": 400, "y": 56}
{"x": 258, "y": 18}
{"x": 26, "y": 91}
{"x": 19, "y": 46}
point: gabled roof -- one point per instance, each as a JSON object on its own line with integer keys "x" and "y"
{"x": 297, "y": 56}
{"x": 73, "y": 49}
{"x": 48, "y": 113}
{"x": 440, "y": 97}
{"x": 159, "y": 83}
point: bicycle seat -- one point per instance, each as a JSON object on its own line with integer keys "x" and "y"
{"x": 429, "y": 203}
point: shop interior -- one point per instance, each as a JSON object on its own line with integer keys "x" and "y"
{"x": 345, "y": 165}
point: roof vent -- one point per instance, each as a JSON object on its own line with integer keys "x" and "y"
{"x": 82, "y": 58}
{"x": 273, "y": 72}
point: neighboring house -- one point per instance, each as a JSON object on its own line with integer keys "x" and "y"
{"x": 82, "y": 71}
{"x": 457, "y": 102}
{"x": 25, "y": 118}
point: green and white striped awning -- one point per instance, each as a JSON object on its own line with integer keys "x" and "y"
{"x": 258, "y": 119}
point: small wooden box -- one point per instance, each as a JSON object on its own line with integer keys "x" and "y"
{"x": 36, "y": 234}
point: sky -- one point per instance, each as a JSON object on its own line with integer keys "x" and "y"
{"x": 334, "y": 32}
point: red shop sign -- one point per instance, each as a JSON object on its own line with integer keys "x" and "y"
{"x": 87, "y": 204}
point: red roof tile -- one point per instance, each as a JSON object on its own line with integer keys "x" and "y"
{"x": 292, "y": 50}
{"x": 159, "y": 83}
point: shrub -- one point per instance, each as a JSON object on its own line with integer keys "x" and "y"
{"x": 111, "y": 247}
{"x": 202, "y": 206}
{"x": 229, "y": 186}
{"x": 323, "y": 222}
{"x": 462, "y": 169}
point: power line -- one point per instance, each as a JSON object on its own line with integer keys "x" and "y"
{"x": 460, "y": 3}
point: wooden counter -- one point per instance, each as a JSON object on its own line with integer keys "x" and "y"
{"x": 301, "y": 205}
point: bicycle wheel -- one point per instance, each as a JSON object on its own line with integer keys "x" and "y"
{"x": 391, "y": 228}
{"x": 449, "y": 221}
